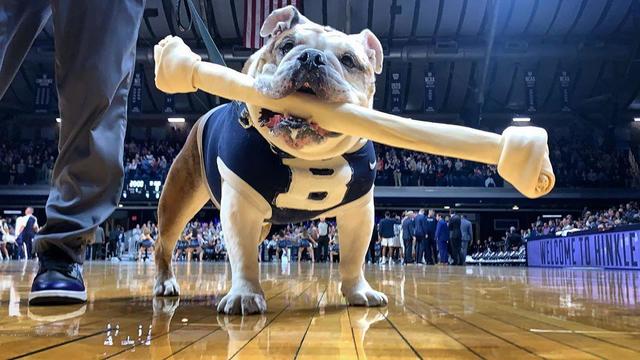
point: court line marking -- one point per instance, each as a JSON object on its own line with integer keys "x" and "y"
{"x": 200, "y": 338}
{"x": 585, "y": 334}
{"x": 469, "y": 323}
{"x": 400, "y": 333}
{"x": 448, "y": 334}
{"x": 353, "y": 335}
{"x": 271, "y": 321}
{"x": 57, "y": 345}
{"x": 524, "y": 329}
{"x": 295, "y": 356}
{"x": 566, "y": 331}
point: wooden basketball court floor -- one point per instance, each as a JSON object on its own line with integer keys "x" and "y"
{"x": 433, "y": 313}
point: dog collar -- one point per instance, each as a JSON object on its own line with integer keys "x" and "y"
{"x": 245, "y": 122}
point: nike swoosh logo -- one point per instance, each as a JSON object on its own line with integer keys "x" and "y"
{"x": 372, "y": 165}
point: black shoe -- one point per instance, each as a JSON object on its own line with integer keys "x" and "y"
{"x": 57, "y": 282}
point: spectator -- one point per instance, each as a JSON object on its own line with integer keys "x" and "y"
{"x": 467, "y": 236}
{"x": 442, "y": 237}
{"x": 408, "y": 236}
{"x": 26, "y": 229}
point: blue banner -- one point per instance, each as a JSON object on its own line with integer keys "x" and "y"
{"x": 429, "y": 92}
{"x": 565, "y": 83}
{"x": 530, "y": 83}
{"x": 44, "y": 92}
{"x": 135, "y": 95}
{"x": 396, "y": 87}
{"x": 615, "y": 249}
{"x": 169, "y": 104}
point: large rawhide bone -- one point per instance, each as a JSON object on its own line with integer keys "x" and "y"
{"x": 521, "y": 153}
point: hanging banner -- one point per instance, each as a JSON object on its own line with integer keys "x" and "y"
{"x": 565, "y": 83}
{"x": 44, "y": 92}
{"x": 396, "y": 99}
{"x": 135, "y": 94}
{"x": 429, "y": 92}
{"x": 530, "y": 83}
{"x": 169, "y": 104}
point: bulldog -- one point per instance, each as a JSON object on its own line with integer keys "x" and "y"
{"x": 260, "y": 167}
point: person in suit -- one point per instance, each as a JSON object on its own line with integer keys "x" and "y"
{"x": 442, "y": 238}
{"x": 431, "y": 252}
{"x": 408, "y": 237}
{"x": 467, "y": 237}
{"x": 420, "y": 234}
{"x": 455, "y": 237}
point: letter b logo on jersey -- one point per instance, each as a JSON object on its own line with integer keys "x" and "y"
{"x": 315, "y": 185}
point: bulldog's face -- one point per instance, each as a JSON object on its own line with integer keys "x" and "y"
{"x": 306, "y": 57}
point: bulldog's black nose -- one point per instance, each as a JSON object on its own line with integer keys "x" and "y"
{"x": 312, "y": 58}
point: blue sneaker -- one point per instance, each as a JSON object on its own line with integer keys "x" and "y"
{"x": 57, "y": 282}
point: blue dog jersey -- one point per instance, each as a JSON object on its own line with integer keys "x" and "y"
{"x": 296, "y": 189}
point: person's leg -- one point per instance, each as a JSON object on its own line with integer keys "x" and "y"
{"x": 455, "y": 250}
{"x": 20, "y": 23}
{"x": 463, "y": 252}
{"x": 95, "y": 57}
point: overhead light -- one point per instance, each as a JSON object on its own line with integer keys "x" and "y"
{"x": 447, "y": 207}
{"x": 516, "y": 207}
{"x": 549, "y": 216}
{"x": 636, "y": 119}
{"x": 58, "y": 120}
{"x": 119, "y": 205}
{"x": 175, "y": 120}
{"x": 521, "y": 119}
{"x": 12, "y": 212}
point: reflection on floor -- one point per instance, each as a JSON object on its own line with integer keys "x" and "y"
{"x": 434, "y": 312}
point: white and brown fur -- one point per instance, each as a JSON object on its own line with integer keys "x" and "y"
{"x": 186, "y": 191}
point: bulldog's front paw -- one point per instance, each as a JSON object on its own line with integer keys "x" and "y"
{"x": 360, "y": 293}
{"x": 166, "y": 286}
{"x": 243, "y": 300}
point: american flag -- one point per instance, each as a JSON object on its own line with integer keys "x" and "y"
{"x": 255, "y": 11}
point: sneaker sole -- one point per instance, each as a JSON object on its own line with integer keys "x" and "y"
{"x": 57, "y": 297}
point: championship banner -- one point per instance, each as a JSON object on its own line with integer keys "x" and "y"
{"x": 530, "y": 83}
{"x": 396, "y": 87}
{"x": 135, "y": 94}
{"x": 169, "y": 104}
{"x": 615, "y": 250}
{"x": 429, "y": 91}
{"x": 44, "y": 91}
{"x": 565, "y": 83}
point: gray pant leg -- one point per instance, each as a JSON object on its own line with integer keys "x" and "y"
{"x": 95, "y": 57}
{"x": 20, "y": 22}
{"x": 463, "y": 251}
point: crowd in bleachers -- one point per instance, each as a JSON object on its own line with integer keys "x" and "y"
{"x": 399, "y": 167}
{"x": 577, "y": 162}
{"x": 601, "y": 220}
{"x": 204, "y": 241}
{"x": 27, "y": 162}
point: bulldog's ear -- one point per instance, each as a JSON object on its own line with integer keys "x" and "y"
{"x": 281, "y": 20}
{"x": 373, "y": 48}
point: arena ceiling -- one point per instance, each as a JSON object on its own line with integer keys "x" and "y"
{"x": 479, "y": 52}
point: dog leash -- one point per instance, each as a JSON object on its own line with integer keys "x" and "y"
{"x": 215, "y": 56}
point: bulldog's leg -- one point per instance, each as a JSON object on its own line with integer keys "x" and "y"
{"x": 184, "y": 194}
{"x": 355, "y": 229}
{"x": 242, "y": 226}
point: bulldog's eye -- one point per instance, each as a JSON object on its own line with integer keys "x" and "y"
{"x": 347, "y": 61}
{"x": 286, "y": 47}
